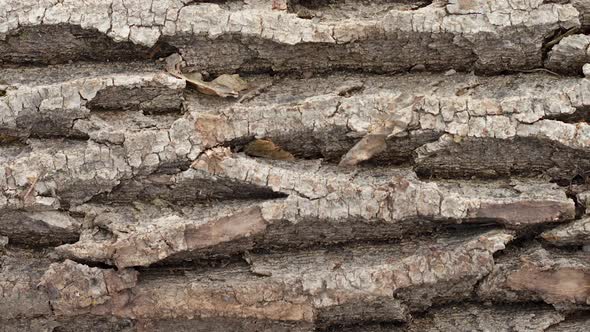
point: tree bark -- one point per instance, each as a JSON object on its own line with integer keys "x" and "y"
{"x": 388, "y": 165}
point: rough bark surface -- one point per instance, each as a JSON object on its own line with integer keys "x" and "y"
{"x": 388, "y": 165}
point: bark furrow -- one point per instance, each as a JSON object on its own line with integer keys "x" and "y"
{"x": 294, "y": 165}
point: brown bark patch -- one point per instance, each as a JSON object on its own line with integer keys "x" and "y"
{"x": 525, "y": 213}
{"x": 226, "y": 229}
{"x": 564, "y": 285}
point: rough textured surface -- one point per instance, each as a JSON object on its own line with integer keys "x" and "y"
{"x": 574, "y": 233}
{"x": 57, "y": 104}
{"x": 473, "y": 317}
{"x": 459, "y": 125}
{"x": 294, "y": 165}
{"x": 376, "y": 205}
{"x": 534, "y": 274}
{"x": 486, "y": 35}
{"x": 392, "y": 279}
{"x": 571, "y": 54}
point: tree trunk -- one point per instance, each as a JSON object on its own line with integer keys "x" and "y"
{"x": 388, "y": 165}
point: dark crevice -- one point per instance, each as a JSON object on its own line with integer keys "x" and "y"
{"x": 311, "y": 234}
{"x": 551, "y": 40}
{"x": 482, "y": 158}
{"x": 318, "y": 4}
{"x": 564, "y": 249}
{"x": 578, "y": 315}
{"x": 531, "y": 234}
{"x": 491, "y": 158}
{"x": 174, "y": 267}
{"x": 30, "y": 46}
{"x": 48, "y": 134}
{"x": 320, "y": 235}
{"x": 33, "y": 251}
{"x": 225, "y": 4}
{"x": 518, "y": 244}
{"x": 575, "y": 185}
{"x": 554, "y": 38}
{"x": 11, "y": 138}
{"x": 338, "y": 237}
{"x": 155, "y": 186}
{"x": 232, "y": 52}
{"x": 149, "y": 99}
{"x": 95, "y": 264}
{"x": 303, "y": 145}
{"x": 28, "y": 231}
{"x": 244, "y": 54}
{"x": 331, "y": 145}
{"x": 34, "y": 240}
{"x": 92, "y": 323}
{"x": 173, "y": 167}
{"x": 582, "y": 114}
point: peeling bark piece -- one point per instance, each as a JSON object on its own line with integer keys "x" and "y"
{"x": 335, "y": 279}
{"x": 374, "y": 142}
{"x": 526, "y": 213}
{"x": 365, "y": 149}
{"x": 355, "y": 206}
{"x": 314, "y": 287}
{"x": 61, "y": 100}
{"x": 267, "y": 149}
{"x": 499, "y": 126}
{"x": 324, "y": 191}
{"x": 485, "y": 35}
{"x": 576, "y": 233}
{"x": 232, "y": 81}
{"x": 537, "y": 274}
{"x": 212, "y": 88}
{"x": 146, "y": 237}
{"x": 570, "y": 54}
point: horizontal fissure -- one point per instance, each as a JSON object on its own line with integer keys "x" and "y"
{"x": 62, "y": 43}
{"x": 237, "y": 40}
{"x": 266, "y": 274}
{"x": 497, "y": 158}
{"x": 371, "y": 205}
{"x": 175, "y": 187}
